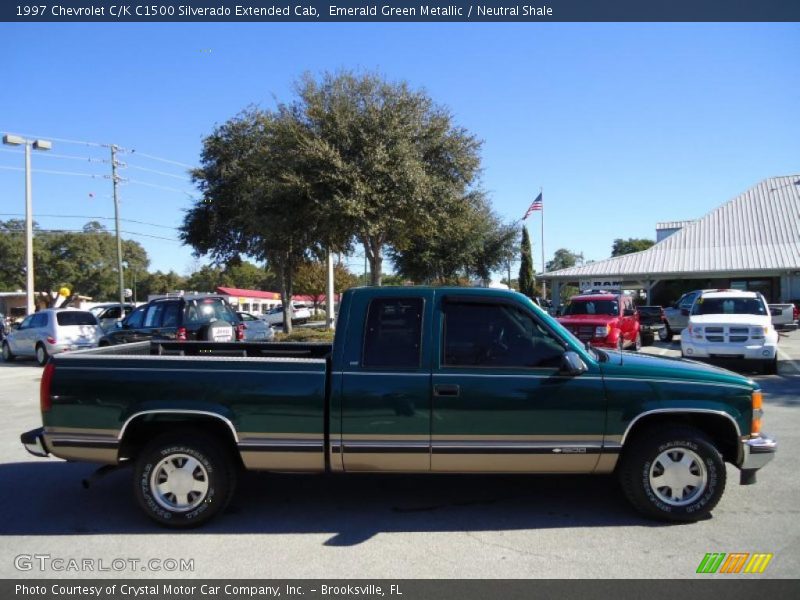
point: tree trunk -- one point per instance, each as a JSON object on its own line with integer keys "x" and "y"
{"x": 373, "y": 247}
{"x": 286, "y": 297}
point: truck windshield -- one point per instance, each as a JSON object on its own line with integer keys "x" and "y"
{"x": 729, "y": 306}
{"x": 592, "y": 307}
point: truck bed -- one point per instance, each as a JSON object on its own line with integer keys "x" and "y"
{"x": 269, "y": 395}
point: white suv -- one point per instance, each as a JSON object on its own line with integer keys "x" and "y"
{"x": 731, "y": 324}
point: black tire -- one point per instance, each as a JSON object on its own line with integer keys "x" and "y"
{"x": 214, "y": 473}
{"x": 770, "y": 367}
{"x": 41, "y": 355}
{"x": 650, "y": 453}
{"x": 665, "y": 333}
{"x": 637, "y": 343}
{"x": 648, "y": 339}
{"x": 8, "y": 356}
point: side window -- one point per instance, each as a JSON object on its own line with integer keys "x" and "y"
{"x": 26, "y": 322}
{"x": 496, "y": 335}
{"x": 39, "y": 320}
{"x": 170, "y": 318}
{"x": 688, "y": 300}
{"x": 393, "y": 335}
{"x": 111, "y": 313}
{"x": 136, "y": 319}
{"x": 153, "y": 317}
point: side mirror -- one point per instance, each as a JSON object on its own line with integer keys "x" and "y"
{"x": 572, "y": 364}
{"x": 118, "y": 325}
{"x": 685, "y": 312}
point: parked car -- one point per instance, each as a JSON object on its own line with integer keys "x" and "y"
{"x": 52, "y": 331}
{"x": 651, "y": 323}
{"x": 677, "y": 316}
{"x": 605, "y": 319}
{"x": 783, "y": 315}
{"x": 108, "y": 314}
{"x": 190, "y": 317}
{"x": 300, "y": 314}
{"x": 731, "y": 324}
{"x": 421, "y": 380}
{"x": 255, "y": 329}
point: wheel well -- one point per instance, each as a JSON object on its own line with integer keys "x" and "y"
{"x": 720, "y": 430}
{"x": 144, "y": 428}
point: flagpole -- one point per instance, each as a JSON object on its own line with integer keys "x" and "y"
{"x": 544, "y": 283}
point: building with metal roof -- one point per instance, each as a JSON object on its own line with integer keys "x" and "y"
{"x": 751, "y": 242}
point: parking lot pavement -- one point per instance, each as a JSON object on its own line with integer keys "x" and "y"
{"x": 377, "y": 526}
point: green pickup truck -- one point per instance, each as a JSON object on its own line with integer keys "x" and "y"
{"x": 418, "y": 380}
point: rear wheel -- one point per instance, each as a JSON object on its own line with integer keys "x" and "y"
{"x": 7, "y": 355}
{"x": 637, "y": 343}
{"x": 665, "y": 333}
{"x": 770, "y": 367}
{"x": 672, "y": 475}
{"x": 184, "y": 479}
{"x": 41, "y": 355}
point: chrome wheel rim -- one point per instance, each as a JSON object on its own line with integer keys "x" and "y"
{"x": 6, "y": 352}
{"x": 40, "y": 355}
{"x": 678, "y": 477}
{"x": 179, "y": 483}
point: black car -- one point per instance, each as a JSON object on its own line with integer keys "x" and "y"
{"x": 204, "y": 318}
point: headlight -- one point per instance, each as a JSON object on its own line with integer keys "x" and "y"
{"x": 758, "y": 332}
{"x": 696, "y": 331}
{"x": 602, "y": 331}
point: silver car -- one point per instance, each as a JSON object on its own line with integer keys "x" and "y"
{"x": 255, "y": 329}
{"x": 51, "y": 331}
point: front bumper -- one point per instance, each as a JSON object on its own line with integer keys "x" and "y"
{"x": 727, "y": 350}
{"x": 33, "y": 441}
{"x": 756, "y": 453}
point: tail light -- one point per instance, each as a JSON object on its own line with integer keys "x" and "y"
{"x": 45, "y": 401}
{"x": 240, "y": 332}
{"x": 51, "y": 340}
{"x": 180, "y": 335}
{"x": 758, "y": 400}
{"x": 795, "y": 313}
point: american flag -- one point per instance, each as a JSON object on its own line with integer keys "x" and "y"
{"x": 537, "y": 205}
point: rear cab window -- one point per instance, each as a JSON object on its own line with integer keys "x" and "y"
{"x": 205, "y": 310}
{"x": 393, "y": 333}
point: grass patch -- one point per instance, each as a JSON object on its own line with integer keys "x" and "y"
{"x": 306, "y": 334}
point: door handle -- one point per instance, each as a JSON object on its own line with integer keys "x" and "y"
{"x": 446, "y": 390}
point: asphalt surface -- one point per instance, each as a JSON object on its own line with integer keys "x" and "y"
{"x": 296, "y": 526}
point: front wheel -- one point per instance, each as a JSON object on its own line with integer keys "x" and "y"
{"x": 673, "y": 475}
{"x": 770, "y": 367}
{"x": 8, "y": 356}
{"x": 665, "y": 333}
{"x": 183, "y": 480}
{"x": 637, "y": 343}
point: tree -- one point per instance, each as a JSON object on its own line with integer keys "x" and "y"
{"x": 161, "y": 283}
{"x": 564, "y": 259}
{"x": 85, "y": 261}
{"x": 526, "y": 281}
{"x": 472, "y": 245}
{"x": 392, "y": 162}
{"x": 630, "y": 245}
{"x": 311, "y": 279}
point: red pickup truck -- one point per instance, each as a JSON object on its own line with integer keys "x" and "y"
{"x": 604, "y": 319}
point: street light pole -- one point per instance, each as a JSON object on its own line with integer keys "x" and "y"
{"x": 15, "y": 140}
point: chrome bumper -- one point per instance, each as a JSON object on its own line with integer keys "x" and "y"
{"x": 33, "y": 441}
{"x": 756, "y": 453}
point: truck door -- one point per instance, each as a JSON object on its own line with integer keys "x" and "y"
{"x": 385, "y": 394}
{"x": 500, "y": 402}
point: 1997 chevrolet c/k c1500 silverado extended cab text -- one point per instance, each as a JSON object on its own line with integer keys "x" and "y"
{"x": 418, "y": 380}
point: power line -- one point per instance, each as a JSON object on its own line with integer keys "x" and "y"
{"x": 158, "y": 158}
{"x": 95, "y": 217}
{"x": 104, "y": 232}
{"x": 62, "y": 140}
{"x": 67, "y": 156}
{"x": 138, "y": 168}
{"x": 50, "y": 172}
{"x": 160, "y": 187}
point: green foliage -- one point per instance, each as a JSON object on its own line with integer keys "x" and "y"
{"x": 630, "y": 246}
{"x": 160, "y": 283}
{"x": 85, "y": 262}
{"x": 306, "y": 334}
{"x": 240, "y": 274}
{"x": 311, "y": 279}
{"x": 526, "y": 281}
{"x": 473, "y": 244}
{"x": 564, "y": 259}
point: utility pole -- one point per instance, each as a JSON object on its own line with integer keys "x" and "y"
{"x": 115, "y": 182}
{"x": 330, "y": 294}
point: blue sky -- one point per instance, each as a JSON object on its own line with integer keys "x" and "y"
{"x": 622, "y": 125}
